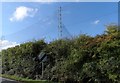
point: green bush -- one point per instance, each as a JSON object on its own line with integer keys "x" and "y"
{"x": 82, "y": 59}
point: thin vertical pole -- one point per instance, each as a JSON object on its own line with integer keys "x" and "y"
{"x": 42, "y": 68}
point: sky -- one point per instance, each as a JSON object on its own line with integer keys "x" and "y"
{"x": 27, "y": 21}
{"x": 59, "y": 0}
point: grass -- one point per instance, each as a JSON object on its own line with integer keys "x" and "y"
{"x": 24, "y": 80}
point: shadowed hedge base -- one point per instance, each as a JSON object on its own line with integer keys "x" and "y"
{"x": 24, "y": 80}
{"x": 82, "y": 59}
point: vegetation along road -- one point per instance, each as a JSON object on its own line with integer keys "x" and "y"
{"x": 5, "y": 80}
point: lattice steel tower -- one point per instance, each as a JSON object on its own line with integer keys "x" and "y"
{"x": 60, "y": 22}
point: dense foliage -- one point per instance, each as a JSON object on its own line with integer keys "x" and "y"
{"x": 83, "y": 59}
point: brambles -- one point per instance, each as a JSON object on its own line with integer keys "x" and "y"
{"x": 83, "y": 59}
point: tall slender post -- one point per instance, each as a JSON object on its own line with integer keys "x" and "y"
{"x": 42, "y": 68}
